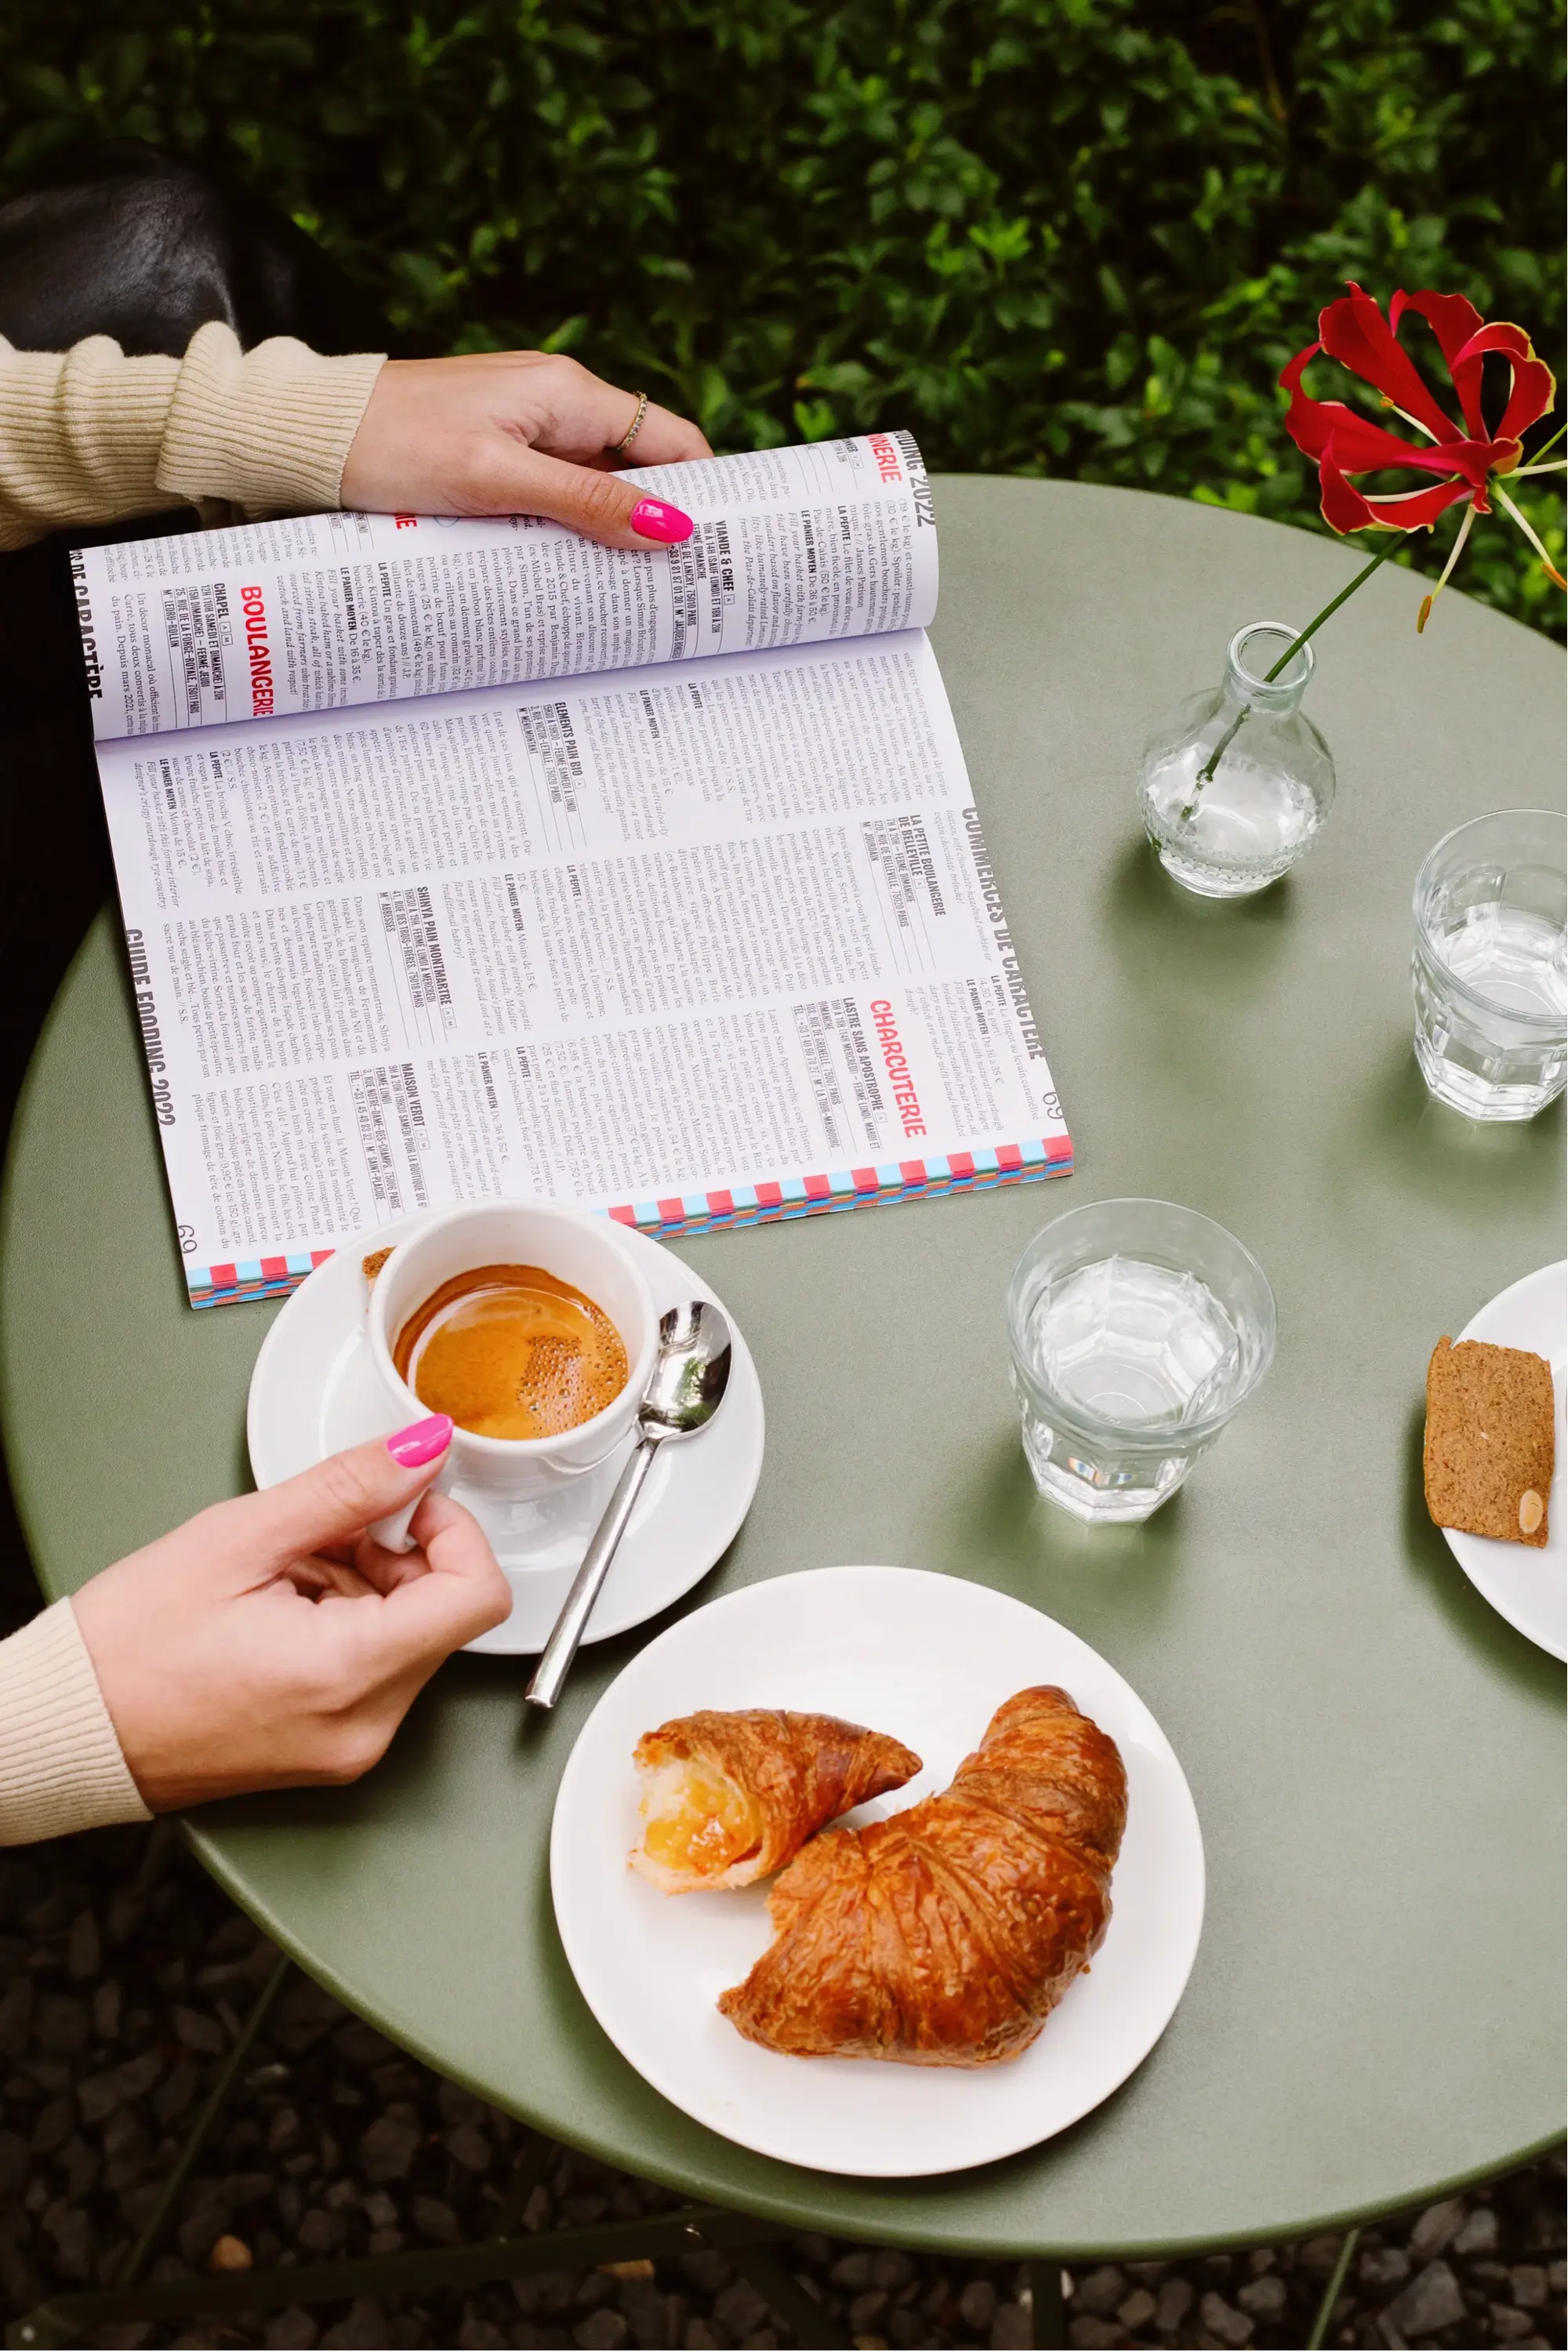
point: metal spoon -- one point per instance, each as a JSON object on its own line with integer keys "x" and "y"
{"x": 685, "y": 1390}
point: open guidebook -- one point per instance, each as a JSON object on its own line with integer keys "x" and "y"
{"x": 463, "y": 857}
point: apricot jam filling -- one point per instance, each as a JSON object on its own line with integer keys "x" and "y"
{"x": 697, "y": 1822}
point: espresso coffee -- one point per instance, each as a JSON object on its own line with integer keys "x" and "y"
{"x": 511, "y": 1351}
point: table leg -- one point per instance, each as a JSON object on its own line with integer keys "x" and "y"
{"x": 1324, "y": 2320}
{"x": 1047, "y": 2311}
{"x": 67, "y": 2319}
{"x": 196, "y": 2140}
{"x": 807, "y": 2320}
{"x": 526, "y": 2175}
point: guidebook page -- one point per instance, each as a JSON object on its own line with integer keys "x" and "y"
{"x": 693, "y": 947}
{"x": 791, "y": 547}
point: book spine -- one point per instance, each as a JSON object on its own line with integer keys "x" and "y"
{"x": 680, "y": 1216}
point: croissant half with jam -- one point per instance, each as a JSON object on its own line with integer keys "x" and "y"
{"x": 728, "y": 1797}
{"x": 945, "y": 1935}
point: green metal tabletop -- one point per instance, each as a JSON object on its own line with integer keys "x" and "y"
{"x": 1377, "y": 2012}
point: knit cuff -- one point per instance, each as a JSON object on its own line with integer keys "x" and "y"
{"x": 268, "y": 429}
{"x": 60, "y": 1764}
{"x": 80, "y": 436}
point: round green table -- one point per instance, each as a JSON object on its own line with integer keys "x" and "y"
{"x": 1376, "y": 2009}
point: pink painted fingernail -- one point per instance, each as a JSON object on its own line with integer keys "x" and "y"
{"x": 421, "y": 1442}
{"x": 651, "y": 518}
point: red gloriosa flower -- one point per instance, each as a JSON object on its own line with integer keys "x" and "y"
{"x": 1467, "y": 459}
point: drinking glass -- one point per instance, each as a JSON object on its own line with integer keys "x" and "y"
{"x": 1225, "y": 834}
{"x": 1138, "y": 1330}
{"x": 1490, "y": 964}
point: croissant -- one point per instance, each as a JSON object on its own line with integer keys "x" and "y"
{"x": 944, "y": 1936}
{"x": 727, "y": 1797}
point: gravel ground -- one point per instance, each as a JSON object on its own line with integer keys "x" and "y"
{"x": 124, "y": 1975}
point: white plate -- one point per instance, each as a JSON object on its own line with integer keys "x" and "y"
{"x": 930, "y": 1659}
{"x": 1530, "y": 1588}
{"x": 314, "y": 1390}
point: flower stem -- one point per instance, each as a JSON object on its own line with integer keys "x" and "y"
{"x": 1533, "y": 456}
{"x": 1208, "y": 771}
{"x": 1333, "y": 606}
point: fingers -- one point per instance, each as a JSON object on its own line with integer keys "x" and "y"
{"x": 434, "y": 1599}
{"x": 567, "y": 411}
{"x": 516, "y": 433}
{"x": 335, "y": 1501}
{"x": 320, "y": 1578}
{"x": 513, "y": 478}
{"x": 384, "y": 1568}
{"x": 663, "y": 439}
{"x": 237, "y": 1653}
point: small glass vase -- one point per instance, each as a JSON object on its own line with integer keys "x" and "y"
{"x": 1235, "y": 785}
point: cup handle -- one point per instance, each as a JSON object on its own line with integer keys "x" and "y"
{"x": 392, "y": 1532}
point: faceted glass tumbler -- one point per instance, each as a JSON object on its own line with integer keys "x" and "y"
{"x": 1138, "y": 1330}
{"x": 1489, "y": 968}
{"x": 1235, "y": 785}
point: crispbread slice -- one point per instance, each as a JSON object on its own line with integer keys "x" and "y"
{"x": 1491, "y": 1441}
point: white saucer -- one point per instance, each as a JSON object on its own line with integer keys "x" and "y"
{"x": 930, "y": 1659}
{"x": 314, "y": 1390}
{"x": 1530, "y": 1588}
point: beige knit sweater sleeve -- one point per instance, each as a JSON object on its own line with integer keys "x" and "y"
{"x": 60, "y": 1764}
{"x": 90, "y": 436}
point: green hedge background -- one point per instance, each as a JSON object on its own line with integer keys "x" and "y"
{"x": 1075, "y": 236}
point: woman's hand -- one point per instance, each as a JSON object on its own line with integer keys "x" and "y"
{"x": 515, "y": 433}
{"x": 270, "y": 1641}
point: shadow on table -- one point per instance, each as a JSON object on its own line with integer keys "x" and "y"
{"x": 998, "y": 1527}
{"x": 1428, "y": 1553}
{"x": 1152, "y": 917}
{"x": 1466, "y": 1162}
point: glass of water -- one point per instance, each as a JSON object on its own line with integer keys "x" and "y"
{"x": 1138, "y": 1330}
{"x": 1490, "y": 965}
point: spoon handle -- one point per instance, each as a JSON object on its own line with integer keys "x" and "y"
{"x": 555, "y": 1664}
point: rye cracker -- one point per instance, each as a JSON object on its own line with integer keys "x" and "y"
{"x": 1491, "y": 1441}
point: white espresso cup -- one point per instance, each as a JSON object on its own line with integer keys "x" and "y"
{"x": 586, "y": 1251}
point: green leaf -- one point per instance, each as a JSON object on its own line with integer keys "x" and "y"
{"x": 1076, "y": 234}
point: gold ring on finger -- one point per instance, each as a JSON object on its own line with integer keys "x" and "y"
{"x": 624, "y": 443}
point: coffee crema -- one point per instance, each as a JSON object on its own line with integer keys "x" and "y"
{"x": 511, "y": 1351}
